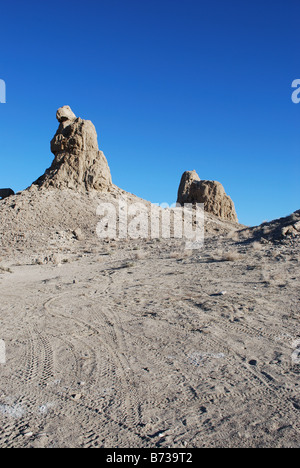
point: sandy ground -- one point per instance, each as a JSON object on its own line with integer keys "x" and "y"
{"x": 143, "y": 344}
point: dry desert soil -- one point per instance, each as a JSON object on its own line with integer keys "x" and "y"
{"x": 142, "y": 343}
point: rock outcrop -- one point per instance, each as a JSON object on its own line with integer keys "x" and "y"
{"x": 78, "y": 164}
{"x": 208, "y": 192}
{"x": 187, "y": 180}
{"x": 7, "y": 192}
{"x": 278, "y": 230}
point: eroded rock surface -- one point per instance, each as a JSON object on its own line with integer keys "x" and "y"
{"x": 208, "y": 192}
{"x": 78, "y": 163}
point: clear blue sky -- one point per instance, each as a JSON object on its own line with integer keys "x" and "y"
{"x": 171, "y": 85}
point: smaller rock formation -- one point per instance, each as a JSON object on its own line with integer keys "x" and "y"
{"x": 7, "y": 192}
{"x": 78, "y": 163}
{"x": 208, "y": 192}
{"x": 187, "y": 180}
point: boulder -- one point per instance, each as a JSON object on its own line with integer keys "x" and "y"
{"x": 208, "y": 192}
{"x": 289, "y": 231}
{"x": 7, "y": 192}
{"x": 78, "y": 164}
{"x": 297, "y": 226}
{"x": 65, "y": 113}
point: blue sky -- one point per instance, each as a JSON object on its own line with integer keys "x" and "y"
{"x": 170, "y": 85}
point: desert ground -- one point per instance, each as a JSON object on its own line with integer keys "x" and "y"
{"x": 142, "y": 343}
